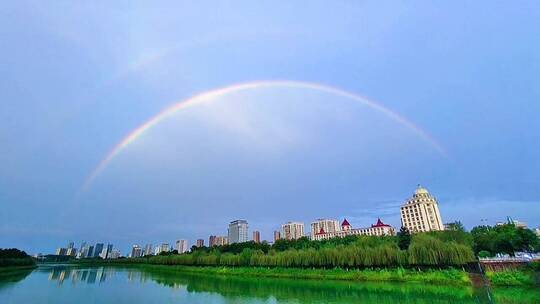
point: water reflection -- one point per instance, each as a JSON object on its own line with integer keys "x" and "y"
{"x": 76, "y": 275}
{"x": 249, "y": 290}
{"x": 9, "y": 278}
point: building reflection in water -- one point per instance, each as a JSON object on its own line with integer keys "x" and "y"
{"x": 89, "y": 276}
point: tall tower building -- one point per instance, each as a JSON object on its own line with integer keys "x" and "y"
{"x": 421, "y": 213}
{"x": 238, "y": 231}
{"x": 292, "y": 230}
{"x": 212, "y": 241}
{"x": 136, "y": 251}
{"x": 324, "y": 226}
{"x": 200, "y": 243}
{"x": 256, "y": 236}
{"x": 97, "y": 250}
{"x": 148, "y": 249}
{"x": 105, "y": 252}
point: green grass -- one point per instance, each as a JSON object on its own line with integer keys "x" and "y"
{"x": 447, "y": 276}
{"x": 512, "y": 278}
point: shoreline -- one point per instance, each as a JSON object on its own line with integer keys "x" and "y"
{"x": 451, "y": 276}
{"x": 8, "y": 269}
{"x": 454, "y": 277}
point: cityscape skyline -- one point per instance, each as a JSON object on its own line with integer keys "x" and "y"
{"x": 419, "y": 213}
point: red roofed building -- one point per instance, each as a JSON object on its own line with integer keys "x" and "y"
{"x": 380, "y": 224}
{"x": 378, "y": 229}
{"x": 345, "y": 226}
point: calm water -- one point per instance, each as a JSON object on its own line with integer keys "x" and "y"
{"x": 70, "y": 284}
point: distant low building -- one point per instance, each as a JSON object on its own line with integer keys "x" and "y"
{"x": 218, "y": 241}
{"x": 537, "y": 230}
{"x": 378, "y": 229}
{"x": 511, "y": 221}
{"x": 256, "y": 236}
{"x": 277, "y": 236}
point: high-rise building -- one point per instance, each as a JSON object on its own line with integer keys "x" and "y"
{"x": 212, "y": 241}
{"x": 61, "y": 251}
{"x": 83, "y": 253}
{"x": 292, "y": 230}
{"x": 421, "y": 213}
{"x": 105, "y": 251}
{"x": 182, "y": 246}
{"x": 148, "y": 249}
{"x": 200, "y": 243}
{"x": 238, "y": 231}
{"x": 90, "y": 252}
{"x": 83, "y": 244}
{"x": 165, "y": 247}
{"x": 97, "y": 250}
{"x": 324, "y": 226}
{"x": 277, "y": 236}
{"x": 136, "y": 251}
{"x": 256, "y": 236}
{"x": 72, "y": 252}
{"x": 218, "y": 240}
{"x": 114, "y": 254}
{"x": 71, "y": 245}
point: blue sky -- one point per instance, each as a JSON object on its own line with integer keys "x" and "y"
{"x": 78, "y": 77}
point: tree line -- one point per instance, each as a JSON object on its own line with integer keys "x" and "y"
{"x": 348, "y": 252}
{"x": 507, "y": 238}
{"x": 15, "y": 257}
{"x": 452, "y": 247}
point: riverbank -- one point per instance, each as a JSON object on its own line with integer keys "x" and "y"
{"x": 448, "y": 276}
{"x": 444, "y": 276}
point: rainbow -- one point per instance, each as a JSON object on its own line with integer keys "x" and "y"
{"x": 212, "y": 95}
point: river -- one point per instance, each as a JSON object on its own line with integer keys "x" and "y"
{"x": 76, "y": 284}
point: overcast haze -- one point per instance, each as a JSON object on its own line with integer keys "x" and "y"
{"x": 78, "y": 78}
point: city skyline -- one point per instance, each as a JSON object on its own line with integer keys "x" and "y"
{"x": 321, "y": 228}
{"x": 145, "y": 123}
{"x": 419, "y": 213}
